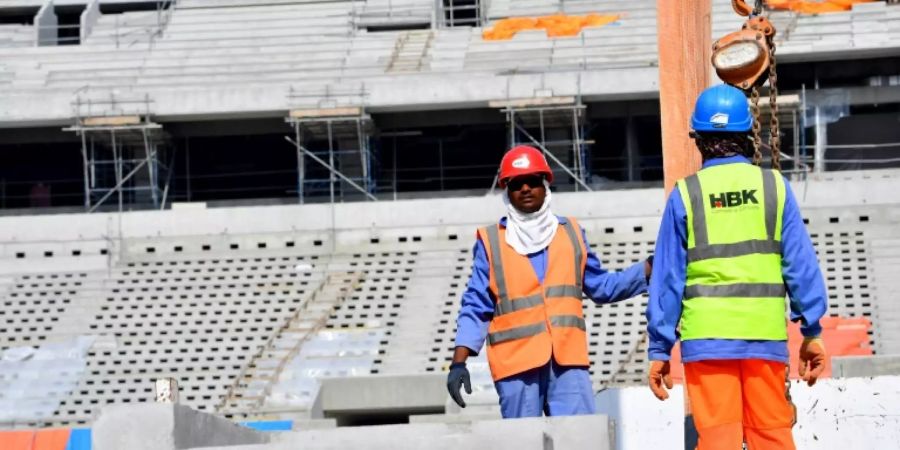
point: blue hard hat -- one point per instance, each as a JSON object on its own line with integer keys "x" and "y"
{"x": 722, "y": 108}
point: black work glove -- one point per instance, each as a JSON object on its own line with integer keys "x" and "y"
{"x": 458, "y": 377}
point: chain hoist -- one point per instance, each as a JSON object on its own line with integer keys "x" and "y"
{"x": 741, "y": 58}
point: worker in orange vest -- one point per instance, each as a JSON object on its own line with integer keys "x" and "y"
{"x": 525, "y": 298}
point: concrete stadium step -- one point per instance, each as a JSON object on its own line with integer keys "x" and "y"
{"x": 202, "y": 7}
{"x": 411, "y": 51}
{"x": 263, "y": 371}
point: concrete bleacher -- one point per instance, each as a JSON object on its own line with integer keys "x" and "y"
{"x": 247, "y": 47}
{"x": 251, "y": 304}
{"x": 125, "y": 30}
{"x": 14, "y": 35}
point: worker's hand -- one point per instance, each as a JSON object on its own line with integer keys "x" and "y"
{"x": 659, "y": 376}
{"x": 456, "y": 379}
{"x": 812, "y": 353}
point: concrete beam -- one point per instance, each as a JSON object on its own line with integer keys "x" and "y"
{"x": 157, "y": 426}
{"x": 865, "y": 366}
{"x": 865, "y": 95}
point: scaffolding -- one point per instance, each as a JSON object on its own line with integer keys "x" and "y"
{"x": 121, "y": 150}
{"x": 556, "y": 126}
{"x": 333, "y": 130}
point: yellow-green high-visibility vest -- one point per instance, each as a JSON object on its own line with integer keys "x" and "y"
{"x": 734, "y": 287}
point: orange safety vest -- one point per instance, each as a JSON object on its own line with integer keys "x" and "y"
{"x": 534, "y": 321}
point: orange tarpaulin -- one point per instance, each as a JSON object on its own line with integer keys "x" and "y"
{"x": 34, "y": 440}
{"x": 813, "y": 6}
{"x": 842, "y": 336}
{"x": 556, "y": 25}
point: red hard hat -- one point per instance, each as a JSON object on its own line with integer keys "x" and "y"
{"x": 523, "y": 160}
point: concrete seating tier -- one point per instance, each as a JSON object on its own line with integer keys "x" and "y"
{"x": 236, "y": 42}
{"x": 14, "y": 35}
{"x": 199, "y": 309}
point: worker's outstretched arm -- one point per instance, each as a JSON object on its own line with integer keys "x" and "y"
{"x": 603, "y": 286}
{"x": 805, "y": 286}
{"x": 668, "y": 279}
{"x": 666, "y": 290}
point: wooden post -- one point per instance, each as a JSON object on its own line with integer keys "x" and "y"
{"x": 684, "y": 37}
{"x": 684, "y": 30}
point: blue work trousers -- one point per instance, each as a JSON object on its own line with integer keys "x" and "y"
{"x": 551, "y": 389}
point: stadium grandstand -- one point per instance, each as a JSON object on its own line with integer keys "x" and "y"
{"x": 264, "y": 210}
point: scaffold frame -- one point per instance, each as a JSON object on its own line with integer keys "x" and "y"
{"x": 544, "y": 114}
{"x": 107, "y": 135}
{"x": 322, "y": 120}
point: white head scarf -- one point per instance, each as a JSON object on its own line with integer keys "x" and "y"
{"x": 528, "y": 233}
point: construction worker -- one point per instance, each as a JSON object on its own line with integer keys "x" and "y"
{"x": 525, "y": 298}
{"x": 731, "y": 244}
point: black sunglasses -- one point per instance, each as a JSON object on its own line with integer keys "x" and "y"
{"x": 533, "y": 181}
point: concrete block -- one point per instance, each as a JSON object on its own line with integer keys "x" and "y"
{"x": 865, "y": 366}
{"x": 157, "y": 426}
{"x": 388, "y": 392}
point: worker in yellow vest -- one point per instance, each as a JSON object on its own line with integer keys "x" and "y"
{"x": 731, "y": 245}
{"x": 524, "y": 298}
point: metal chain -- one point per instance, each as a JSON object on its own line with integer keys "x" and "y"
{"x": 757, "y": 9}
{"x": 774, "y": 133}
{"x": 757, "y": 141}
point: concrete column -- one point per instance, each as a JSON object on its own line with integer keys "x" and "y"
{"x": 821, "y": 143}
{"x": 632, "y": 152}
{"x": 45, "y": 26}
{"x": 88, "y": 19}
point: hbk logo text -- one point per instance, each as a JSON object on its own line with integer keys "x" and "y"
{"x": 732, "y": 199}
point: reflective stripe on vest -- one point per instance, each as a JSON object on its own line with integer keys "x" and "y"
{"x": 568, "y": 321}
{"x": 517, "y": 333}
{"x": 534, "y": 320}
{"x": 734, "y": 285}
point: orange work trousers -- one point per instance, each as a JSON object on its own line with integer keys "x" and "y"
{"x": 740, "y": 400}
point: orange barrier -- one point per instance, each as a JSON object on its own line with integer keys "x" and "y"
{"x": 34, "y": 439}
{"x": 558, "y": 25}
{"x": 814, "y": 7}
{"x": 842, "y": 336}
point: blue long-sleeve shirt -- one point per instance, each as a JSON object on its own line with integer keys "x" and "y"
{"x": 799, "y": 268}
{"x": 477, "y": 309}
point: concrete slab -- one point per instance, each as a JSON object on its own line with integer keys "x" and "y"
{"x": 557, "y": 433}
{"x": 157, "y": 426}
